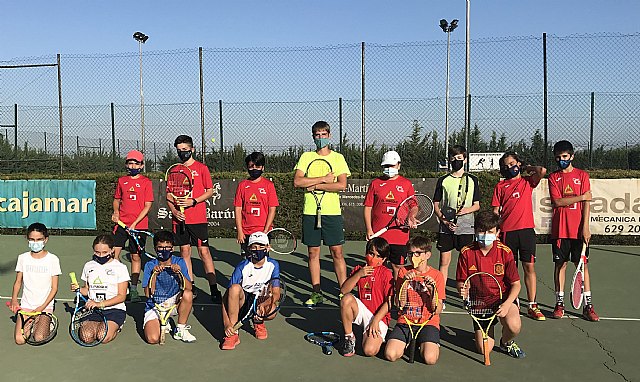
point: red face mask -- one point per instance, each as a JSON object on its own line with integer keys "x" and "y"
{"x": 373, "y": 261}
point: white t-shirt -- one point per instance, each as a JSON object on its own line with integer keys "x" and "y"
{"x": 103, "y": 280}
{"x": 36, "y": 278}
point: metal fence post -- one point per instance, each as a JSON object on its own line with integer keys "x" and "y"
{"x": 340, "y": 123}
{"x": 221, "y": 135}
{"x": 591, "y": 131}
{"x": 204, "y": 142}
{"x": 15, "y": 127}
{"x": 545, "y": 99}
{"x": 60, "y": 114}
{"x": 113, "y": 137}
{"x": 363, "y": 149}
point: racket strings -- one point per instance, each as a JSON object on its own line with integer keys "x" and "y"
{"x": 413, "y": 299}
{"x": 179, "y": 183}
{"x": 484, "y": 296}
{"x": 282, "y": 241}
{"x": 42, "y": 327}
{"x": 167, "y": 286}
{"x": 89, "y": 326}
{"x": 324, "y": 338}
{"x": 420, "y": 207}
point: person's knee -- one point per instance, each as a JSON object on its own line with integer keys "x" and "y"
{"x": 347, "y": 300}
{"x": 430, "y": 358}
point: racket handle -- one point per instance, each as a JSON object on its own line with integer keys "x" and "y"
{"x": 412, "y": 350}
{"x": 72, "y": 275}
{"x": 237, "y": 326}
{"x": 121, "y": 224}
{"x": 485, "y": 348}
{"x": 318, "y": 219}
{"x": 327, "y": 349}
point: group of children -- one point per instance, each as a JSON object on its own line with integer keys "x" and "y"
{"x": 492, "y": 241}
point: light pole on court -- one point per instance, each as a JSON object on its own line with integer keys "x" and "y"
{"x": 141, "y": 38}
{"x": 447, "y": 28}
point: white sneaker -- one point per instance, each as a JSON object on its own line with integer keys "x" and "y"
{"x": 183, "y": 334}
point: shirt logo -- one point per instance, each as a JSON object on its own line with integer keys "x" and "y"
{"x": 383, "y": 184}
{"x": 97, "y": 281}
{"x": 473, "y": 268}
{"x": 516, "y": 195}
{"x": 576, "y": 181}
{"x": 400, "y": 188}
{"x": 253, "y": 198}
{"x": 390, "y": 196}
{"x": 568, "y": 190}
{"x": 498, "y": 269}
{"x": 132, "y": 189}
{"x": 262, "y": 191}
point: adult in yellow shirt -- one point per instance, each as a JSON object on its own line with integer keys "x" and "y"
{"x": 332, "y": 231}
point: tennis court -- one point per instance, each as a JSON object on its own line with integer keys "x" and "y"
{"x": 556, "y": 350}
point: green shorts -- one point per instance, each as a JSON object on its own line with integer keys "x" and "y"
{"x": 331, "y": 233}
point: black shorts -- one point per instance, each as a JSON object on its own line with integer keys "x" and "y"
{"x": 194, "y": 234}
{"x": 116, "y": 315}
{"x": 244, "y": 246}
{"x": 331, "y": 233}
{"x": 522, "y": 243}
{"x": 428, "y": 334}
{"x": 567, "y": 249}
{"x": 397, "y": 254}
{"x": 121, "y": 237}
{"x": 449, "y": 241}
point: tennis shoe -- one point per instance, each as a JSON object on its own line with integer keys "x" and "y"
{"x": 349, "y": 346}
{"x": 230, "y": 343}
{"x": 558, "y": 311}
{"x": 260, "y": 331}
{"x": 535, "y": 313}
{"x": 184, "y": 335}
{"x": 512, "y": 349}
{"x": 589, "y": 314}
{"x": 315, "y": 299}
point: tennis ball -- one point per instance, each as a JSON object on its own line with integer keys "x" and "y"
{"x": 213, "y": 139}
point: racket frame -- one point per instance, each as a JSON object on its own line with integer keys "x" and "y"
{"x": 462, "y": 197}
{"x": 253, "y": 311}
{"x": 188, "y": 194}
{"x": 80, "y": 302}
{"x": 133, "y": 235}
{"x": 272, "y": 239}
{"x": 411, "y": 324}
{"x": 315, "y": 193}
{"x": 164, "y": 310}
{"x": 484, "y": 319}
{"x": 327, "y": 345}
{"x": 578, "y": 276}
{"x": 25, "y": 316}
{"x": 394, "y": 218}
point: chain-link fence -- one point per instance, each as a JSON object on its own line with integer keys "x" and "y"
{"x": 234, "y": 101}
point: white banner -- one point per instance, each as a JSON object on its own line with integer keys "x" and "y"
{"x": 615, "y": 208}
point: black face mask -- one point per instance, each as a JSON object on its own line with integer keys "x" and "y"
{"x": 184, "y": 155}
{"x": 456, "y": 164}
{"x": 255, "y": 173}
{"x": 102, "y": 260}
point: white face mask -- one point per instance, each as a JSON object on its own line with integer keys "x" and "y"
{"x": 485, "y": 239}
{"x": 390, "y": 171}
{"x": 36, "y": 246}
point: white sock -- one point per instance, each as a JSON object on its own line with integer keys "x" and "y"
{"x": 560, "y": 297}
{"x": 180, "y": 326}
{"x": 587, "y": 298}
{"x": 349, "y": 335}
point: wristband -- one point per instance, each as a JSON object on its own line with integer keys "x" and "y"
{"x": 194, "y": 202}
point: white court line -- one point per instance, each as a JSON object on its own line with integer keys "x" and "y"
{"x": 337, "y": 308}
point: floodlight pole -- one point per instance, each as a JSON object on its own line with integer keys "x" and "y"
{"x": 141, "y": 38}
{"x": 467, "y": 117}
{"x": 447, "y": 28}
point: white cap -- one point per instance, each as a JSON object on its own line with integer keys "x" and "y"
{"x": 390, "y": 158}
{"x": 258, "y": 237}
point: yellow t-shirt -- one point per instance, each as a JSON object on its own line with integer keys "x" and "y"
{"x": 330, "y": 204}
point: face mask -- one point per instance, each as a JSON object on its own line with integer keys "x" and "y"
{"x": 416, "y": 261}
{"x": 255, "y": 173}
{"x": 257, "y": 254}
{"x": 456, "y": 164}
{"x": 102, "y": 260}
{"x": 36, "y": 246}
{"x": 184, "y": 155}
{"x": 390, "y": 171}
{"x": 563, "y": 163}
{"x": 321, "y": 142}
{"x": 485, "y": 239}
{"x": 511, "y": 172}
{"x": 373, "y": 261}
{"x": 164, "y": 254}
{"x": 133, "y": 171}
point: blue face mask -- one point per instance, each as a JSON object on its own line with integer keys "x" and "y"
{"x": 133, "y": 171}
{"x": 321, "y": 142}
{"x": 562, "y": 163}
{"x": 102, "y": 260}
{"x": 257, "y": 254}
{"x": 164, "y": 254}
{"x": 485, "y": 239}
{"x": 36, "y": 246}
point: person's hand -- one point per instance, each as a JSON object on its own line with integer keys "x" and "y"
{"x": 94, "y": 304}
{"x": 369, "y": 234}
{"x": 373, "y": 330}
{"x": 586, "y": 234}
{"x": 158, "y": 268}
{"x": 413, "y": 223}
{"x": 329, "y": 178}
{"x": 175, "y": 268}
{"x": 366, "y": 271}
{"x": 503, "y": 310}
{"x": 240, "y": 236}
{"x": 115, "y": 217}
{"x": 450, "y": 225}
{"x": 74, "y": 287}
{"x": 229, "y": 331}
{"x": 179, "y": 215}
{"x": 14, "y": 305}
{"x": 587, "y": 196}
{"x": 132, "y": 226}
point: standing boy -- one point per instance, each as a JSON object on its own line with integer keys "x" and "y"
{"x": 456, "y": 198}
{"x": 570, "y": 191}
{"x": 255, "y": 201}
{"x": 131, "y": 204}
{"x": 383, "y": 198}
{"x": 332, "y": 231}
{"x": 195, "y": 214}
{"x": 512, "y": 200}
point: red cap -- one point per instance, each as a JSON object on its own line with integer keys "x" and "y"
{"x": 135, "y": 155}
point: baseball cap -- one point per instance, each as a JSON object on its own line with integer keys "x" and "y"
{"x": 258, "y": 237}
{"x": 390, "y": 158}
{"x": 135, "y": 155}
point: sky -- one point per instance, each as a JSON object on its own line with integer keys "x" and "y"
{"x": 37, "y": 28}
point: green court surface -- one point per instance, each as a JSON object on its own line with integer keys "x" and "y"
{"x": 557, "y": 350}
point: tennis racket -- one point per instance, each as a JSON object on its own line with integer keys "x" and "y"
{"x": 38, "y": 328}
{"x": 179, "y": 185}
{"x": 282, "y": 241}
{"x": 577, "y": 284}
{"x": 418, "y": 207}
{"x": 463, "y": 188}
{"x": 482, "y": 296}
{"x": 417, "y": 301}
{"x": 88, "y": 326}
{"x": 316, "y": 169}
{"x": 326, "y": 340}
{"x": 165, "y": 290}
{"x": 134, "y": 234}
{"x": 266, "y": 302}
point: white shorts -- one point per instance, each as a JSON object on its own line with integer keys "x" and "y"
{"x": 365, "y": 316}
{"x": 152, "y": 314}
